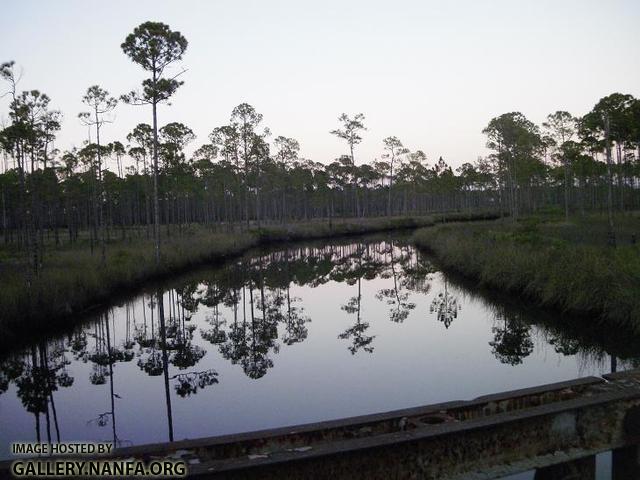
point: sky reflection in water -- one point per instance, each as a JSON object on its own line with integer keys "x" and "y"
{"x": 306, "y": 333}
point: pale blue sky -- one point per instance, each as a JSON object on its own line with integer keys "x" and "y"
{"x": 432, "y": 73}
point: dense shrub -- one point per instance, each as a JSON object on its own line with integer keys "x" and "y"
{"x": 525, "y": 258}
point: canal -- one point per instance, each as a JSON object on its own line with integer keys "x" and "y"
{"x": 287, "y": 335}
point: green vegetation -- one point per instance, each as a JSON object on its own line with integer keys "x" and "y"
{"x": 76, "y": 279}
{"x": 78, "y": 225}
{"x": 567, "y": 265}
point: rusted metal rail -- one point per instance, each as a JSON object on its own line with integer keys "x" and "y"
{"x": 556, "y": 429}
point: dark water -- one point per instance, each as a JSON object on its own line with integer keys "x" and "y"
{"x": 299, "y": 334}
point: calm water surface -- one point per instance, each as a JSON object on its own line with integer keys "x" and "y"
{"x": 298, "y": 334}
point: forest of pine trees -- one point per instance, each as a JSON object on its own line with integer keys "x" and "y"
{"x": 243, "y": 175}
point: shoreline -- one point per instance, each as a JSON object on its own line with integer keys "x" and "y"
{"x": 60, "y": 295}
{"x": 586, "y": 281}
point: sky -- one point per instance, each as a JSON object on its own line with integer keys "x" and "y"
{"x": 432, "y": 73}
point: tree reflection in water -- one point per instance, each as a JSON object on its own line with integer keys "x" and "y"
{"x": 564, "y": 345}
{"x": 511, "y": 342}
{"x": 37, "y": 374}
{"x": 248, "y": 311}
{"x": 398, "y": 295}
{"x": 445, "y": 305}
{"x": 188, "y": 383}
{"x": 356, "y": 333}
{"x": 357, "y": 265}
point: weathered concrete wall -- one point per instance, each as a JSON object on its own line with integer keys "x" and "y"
{"x": 559, "y": 424}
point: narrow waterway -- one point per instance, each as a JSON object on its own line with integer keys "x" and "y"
{"x": 295, "y": 334}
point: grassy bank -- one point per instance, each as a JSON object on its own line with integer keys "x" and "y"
{"x": 74, "y": 279}
{"x": 553, "y": 263}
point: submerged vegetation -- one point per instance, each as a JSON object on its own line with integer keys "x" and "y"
{"x": 568, "y": 265}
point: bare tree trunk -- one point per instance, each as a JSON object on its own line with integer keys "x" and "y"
{"x": 612, "y": 235}
{"x": 156, "y": 202}
{"x": 390, "y": 187}
{"x": 103, "y": 248}
{"x": 620, "y": 174}
{"x": 566, "y": 189}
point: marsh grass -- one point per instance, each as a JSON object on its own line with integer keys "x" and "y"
{"x": 594, "y": 229}
{"x": 74, "y": 279}
{"x": 567, "y": 266}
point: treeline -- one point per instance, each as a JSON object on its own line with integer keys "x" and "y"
{"x": 241, "y": 175}
{"x": 576, "y": 154}
{"x": 238, "y": 176}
